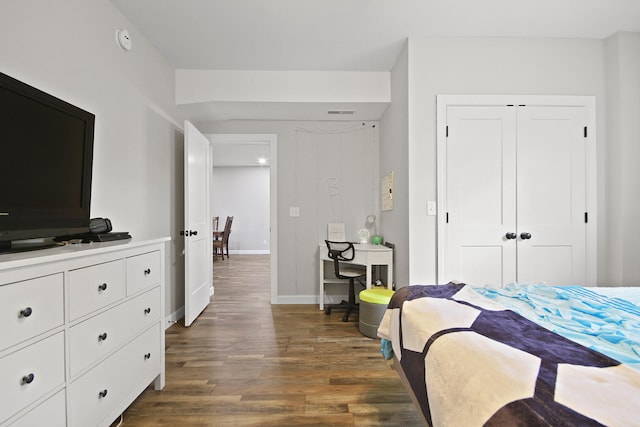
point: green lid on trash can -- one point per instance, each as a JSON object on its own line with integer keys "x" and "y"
{"x": 376, "y": 295}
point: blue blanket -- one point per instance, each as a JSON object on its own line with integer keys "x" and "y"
{"x": 608, "y": 325}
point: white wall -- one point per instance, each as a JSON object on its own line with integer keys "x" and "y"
{"x": 243, "y": 192}
{"x": 485, "y": 66}
{"x": 394, "y": 157}
{"x": 622, "y": 230}
{"x": 309, "y": 154}
{"x": 68, "y": 48}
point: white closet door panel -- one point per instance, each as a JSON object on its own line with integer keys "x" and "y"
{"x": 484, "y": 265}
{"x": 551, "y": 188}
{"x": 550, "y": 264}
{"x": 480, "y": 195}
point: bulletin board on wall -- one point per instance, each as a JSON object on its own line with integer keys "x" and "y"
{"x": 386, "y": 192}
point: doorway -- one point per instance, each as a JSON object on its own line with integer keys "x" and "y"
{"x": 248, "y": 150}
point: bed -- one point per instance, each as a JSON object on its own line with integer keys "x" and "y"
{"x": 521, "y": 355}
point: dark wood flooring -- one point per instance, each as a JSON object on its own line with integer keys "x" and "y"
{"x": 245, "y": 362}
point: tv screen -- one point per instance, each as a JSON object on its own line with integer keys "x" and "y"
{"x": 46, "y": 152}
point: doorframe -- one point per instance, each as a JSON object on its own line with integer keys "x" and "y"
{"x": 589, "y": 102}
{"x": 272, "y": 140}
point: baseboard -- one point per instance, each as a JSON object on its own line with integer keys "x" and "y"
{"x": 250, "y": 252}
{"x": 174, "y": 317}
{"x": 282, "y": 299}
{"x": 179, "y": 313}
{"x": 296, "y": 299}
{"x": 310, "y": 299}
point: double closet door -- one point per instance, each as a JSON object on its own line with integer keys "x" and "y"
{"x": 514, "y": 202}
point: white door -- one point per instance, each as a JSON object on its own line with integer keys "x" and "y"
{"x": 551, "y": 188}
{"x": 515, "y": 195}
{"x": 480, "y": 194}
{"x": 198, "y": 249}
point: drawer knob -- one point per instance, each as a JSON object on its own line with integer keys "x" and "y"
{"x": 103, "y": 393}
{"x": 28, "y": 379}
{"x": 147, "y": 310}
{"x": 147, "y": 356}
{"x": 102, "y": 336}
{"x": 102, "y": 287}
{"x": 147, "y": 272}
{"x": 26, "y": 312}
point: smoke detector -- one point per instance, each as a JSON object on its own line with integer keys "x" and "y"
{"x": 124, "y": 39}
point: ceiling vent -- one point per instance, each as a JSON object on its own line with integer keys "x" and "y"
{"x": 341, "y": 112}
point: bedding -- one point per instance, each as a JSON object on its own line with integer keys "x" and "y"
{"x": 492, "y": 357}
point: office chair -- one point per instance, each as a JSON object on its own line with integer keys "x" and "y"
{"x": 339, "y": 252}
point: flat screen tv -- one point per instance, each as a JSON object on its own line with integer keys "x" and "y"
{"x": 46, "y": 156}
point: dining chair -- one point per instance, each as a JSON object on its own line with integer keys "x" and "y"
{"x": 222, "y": 244}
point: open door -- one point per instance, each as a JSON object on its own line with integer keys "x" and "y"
{"x": 198, "y": 249}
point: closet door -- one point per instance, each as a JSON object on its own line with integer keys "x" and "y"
{"x": 480, "y": 195}
{"x": 514, "y": 195}
{"x": 551, "y": 195}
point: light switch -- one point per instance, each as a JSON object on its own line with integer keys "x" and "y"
{"x": 431, "y": 207}
{"x": 294, "y": 211}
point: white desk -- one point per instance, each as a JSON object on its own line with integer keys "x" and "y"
{"x": 365, "y": 254}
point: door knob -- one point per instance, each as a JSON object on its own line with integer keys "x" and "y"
{"x": 511, "y": 235}
{"x": 525, "y": 236}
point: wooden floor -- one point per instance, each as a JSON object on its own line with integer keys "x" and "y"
{"x": 245, "y": 362}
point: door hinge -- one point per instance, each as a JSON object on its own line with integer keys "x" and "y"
{"x": 447, "y": 217}
{"x": 586, "y": 217}
{"x": 447, "y": 132}
{"x": 585, "y": 131}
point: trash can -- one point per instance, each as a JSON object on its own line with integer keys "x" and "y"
{"x": 373, "y": 304}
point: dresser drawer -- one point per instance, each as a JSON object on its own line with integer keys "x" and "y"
{"x": 143, "y": 360}
{"x": 30, "y": 373}
{"x": 50, "y": 413}
{"x": 29, "y": 308}
{"x": 143, "y": 272}
{"x": 97, "y": 393}
{"x": 96, "y": 337}
{"x": 94, "y": 287}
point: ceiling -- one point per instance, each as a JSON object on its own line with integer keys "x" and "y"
{"x": 352, "y": 35}
{"x": 344, "y": 35}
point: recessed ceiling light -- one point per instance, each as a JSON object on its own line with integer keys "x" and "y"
{"x": 262, "y": 161}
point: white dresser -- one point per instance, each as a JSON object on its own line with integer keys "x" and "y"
{"x": 81, "y": 331}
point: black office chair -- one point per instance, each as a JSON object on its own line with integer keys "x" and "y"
{"x": 344, "y": 251}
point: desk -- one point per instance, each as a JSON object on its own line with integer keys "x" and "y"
{"x": 365, "y": 254}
